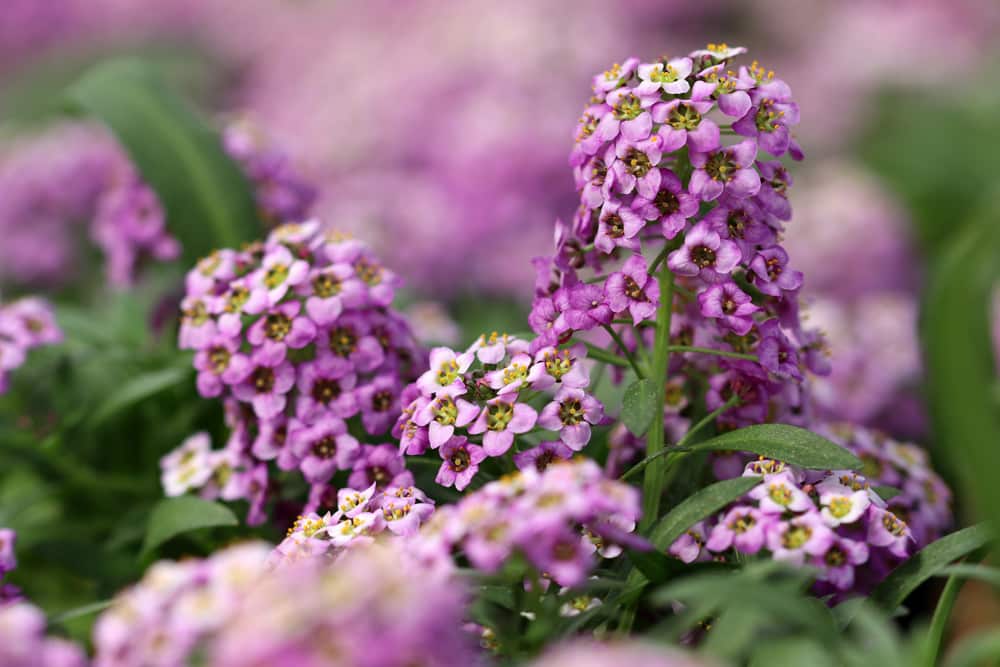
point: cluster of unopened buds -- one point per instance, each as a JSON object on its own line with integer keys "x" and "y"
{"x": 470, "y": 406}
{"x": 298, "y": 337}
{"x": 130, "y": 223}
{"x": 360, "y": 516}
{"x": 24, "y": 324}
{"x": 374, "y": 606}
{"x": 671, "y": 208}
{"x": 834, "y": 521}
{"x": 558, "y": 519}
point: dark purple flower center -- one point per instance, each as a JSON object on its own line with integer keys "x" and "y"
{"x": 325, "y": 390}
{"x": 369, "y": 272}
{"x": 499, "y": 415}
{"x": 197, "y": 313}
{"x": 774, "y": 268}
{"x": 543, "y": 460}
{"x": 379, "y": 475}
{"x": 275, "y": 275}
{"x": 343, "y": 341}
{"x": 564, "y": 551}
{"x": 277, "y": 326}
{"x": 238, "y": 296}
{"x": 382, "y": 400}
{"x": 703, "y": 256}
{"x": 325, "y": 447}
{"x": 325, "y": 285}
{"x": 893, "y": 524}
{"x": 219, "y": 357}
{"x": 615, "y": 225}
{"x": 571, "y": 412}
{"x": 459, "y": 460}
{"x": 633, "y": 290}
{"x": 628, "y": 108}
{"x": 637, "y": 163}
{"x": 720, "y": 166}
{"x": 684, "y": 117}
{"x": 666, "y": 202}
{"x": 598, "y": 172}
{"x": 737, "y": 221}
{"x": 742, "y": 524}
{"x": 588, "y": 124}
{"x": 835, "y": 557}
{"x": 262, "y": 379}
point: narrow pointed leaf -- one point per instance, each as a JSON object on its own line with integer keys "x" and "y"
{"x": 782, "y": 442}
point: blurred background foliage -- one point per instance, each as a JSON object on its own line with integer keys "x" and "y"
{"x": 85, "y": 423}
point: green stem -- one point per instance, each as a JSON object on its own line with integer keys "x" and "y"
{"x": 659, "y": 259}
{"x": 621, "y": 345}
{"x": 712, "y": 351}
{"x": 707, "y": 419}
{"x": 942, "y": 612}
{"x": 600, "y": 354}
{"x": 652, "y": 485}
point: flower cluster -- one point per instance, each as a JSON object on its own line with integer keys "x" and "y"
{"x": 658, "y": 175}
{"x": 470, "y": 405}
{"x": 298, "y": 337}
{"x": 23, "y": 642}
{"x": 24, "y": 324}
{"x": 360, "y": 516}
{"x": 834, "y": 521}
{"x": 557, "y": 518}
{"x": 130, "y": 224}
{"x": 376, "y": 606}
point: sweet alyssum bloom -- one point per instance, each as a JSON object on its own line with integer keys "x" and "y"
{"x": 25, "y": 324}
{"x": 296, "y": 336}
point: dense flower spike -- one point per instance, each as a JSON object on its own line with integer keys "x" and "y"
{"x": 298, "y": 338}
{"x": 588, "y": 653}
{"x": 834, "y": 521}
{"x": 674, "y": 165}
{"x": 558, "y": 519}
{"x": 471, "y": 406}
{"x": 24, "y": 324}
{"x": 374, "y": 606}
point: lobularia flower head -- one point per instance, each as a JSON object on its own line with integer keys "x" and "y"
{"x": 473, "y": 406}
{"x": 297, "y": 337}
{"x": 833, "y": 520}
{"x": 25, "y": 324}
{"x": 23, "y": 642}
{"x": 589, "y": 653}
{"x": 549, "y": 515}
{"x": 666, "y": 191}
{"x": 373, "y": 605}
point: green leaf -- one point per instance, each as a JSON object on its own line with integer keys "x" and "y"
{"x": 980, "y": 649}
{"x": 207, "y": 198}
{"x": 985, "y": 573}
{"x": 782, "y": 442}
{"x": 174, "y": 516}
{"x": 958, "y": 350}
{"x": 886, "y": 492}
{"x": 696, "y": 507}
{"x": 639, "y": 406}
{"x": 138, "y": 389}
{"x": 792, "y": 651}
{"x": 928, "y": 562}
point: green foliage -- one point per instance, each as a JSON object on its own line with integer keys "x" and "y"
{"x": 208, "y": 201}
{"x": 790, "y": 444}
{"x": 698, "y": 506}
{"x": 640, "y": 406}
{"x": 174, "y": 516}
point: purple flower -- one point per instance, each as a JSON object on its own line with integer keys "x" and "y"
{"x": 629, "y": 116}
{"x": 776, "y": 353}
{"x": 773, "y": 195}
{"x": 633, "y": 289}
{"x": 381, "y": 465}
{"x": 772, "y": 276}
{"x": 635, "y": 166}
{"x": 330, "y": 290}
{"x": 323, "y": 448}
{"x": 268, "y": 379}
{"x": 500, "y": 420}
{"x": 326, "y": 387}
{"x": 563, "y": 554}
{"x": 837, "y": 564}
{"x": 885, "y": 529}
{"x": 586, "y": 307}
{"x": 684, "y": 122}
{"x": 445, "y": 374}
{"x": 460, "y": 464}
{"x": 726, "y": 170}
{"x": 543, "y": 455}
{"x": 443, "y": 415}
{"x": 671, "y": 206}
{"x": 731, "y": 305}
{"x": 705, "y": 254}
{"x": 741, "y": 221}
{"x": 742, "y": 528}
{"x": 768, "y": 122}
{"x": 379, "y": 401}
{"x": 188, "y": 467}
{"x": 565, "y": 367}
{"x": 350, "y": 338}
{"x": 279, "y": 271}
{"x": 797, "y": 539}
{"x": 7, "y": 559}
{"x": 779, "y": 493}
{"x": 689, "y": 547}
{"x": 618, "y": 227}
{"x": 217, "y": 363}
{"x": 571, "y": 414}
{"x": 669, "y": 77}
